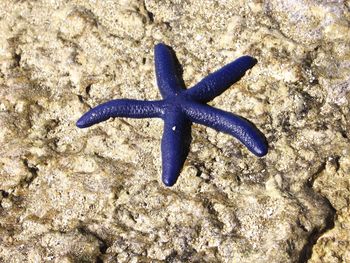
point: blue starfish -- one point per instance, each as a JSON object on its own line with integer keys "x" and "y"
{"x": 180, "y": 107}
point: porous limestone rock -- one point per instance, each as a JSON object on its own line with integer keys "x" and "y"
{"x": 95, "y": 195}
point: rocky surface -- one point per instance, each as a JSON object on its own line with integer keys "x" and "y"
{"x": 95, "y": 195}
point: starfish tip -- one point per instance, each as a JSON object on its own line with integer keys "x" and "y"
{"x": 169, "y": 180}
{"x": 261, "y": 150}
{"x": 81, "y": 123}
{"x": 248, "y": 60}
{"x": 160, "y": 45}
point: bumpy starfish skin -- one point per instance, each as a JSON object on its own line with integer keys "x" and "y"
{"x": 180, "y": 107}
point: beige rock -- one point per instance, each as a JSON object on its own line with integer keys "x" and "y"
{"x": 95, "y": 195}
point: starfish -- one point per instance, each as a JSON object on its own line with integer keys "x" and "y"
{"x": 180, "y": 107}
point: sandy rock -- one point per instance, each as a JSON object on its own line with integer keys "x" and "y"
{"x": 95, "y": 195}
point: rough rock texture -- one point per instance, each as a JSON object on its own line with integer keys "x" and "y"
{"x": 95, "y": 195}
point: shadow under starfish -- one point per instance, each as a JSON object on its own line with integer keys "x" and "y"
{"x": 180, "y": 107}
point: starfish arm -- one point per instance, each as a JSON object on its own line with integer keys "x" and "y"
{"x": 175, "y": 146}
{"x": 121, "y": 108}
{"x": 217, "y": 82}
{"x": 168, "y": 81}
{"x": 229, "y": 123}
